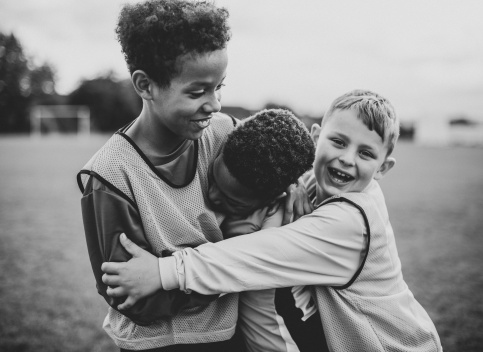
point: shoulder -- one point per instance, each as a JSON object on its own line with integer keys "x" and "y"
{"x": 342, "y": 216}
{"x": 371, "y": 200}
{"x": 109, "y": 162}
{"x": 221, "y": 125}
{"x": 117, "y": 151}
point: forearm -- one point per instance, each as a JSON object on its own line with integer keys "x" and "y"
{"x": 106, "y": 216}
{"x": 307, "y": 252}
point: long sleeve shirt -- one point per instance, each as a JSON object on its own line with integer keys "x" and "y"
{"x": 317, "y": 249}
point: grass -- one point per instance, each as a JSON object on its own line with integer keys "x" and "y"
{"x": 47, "y": 292}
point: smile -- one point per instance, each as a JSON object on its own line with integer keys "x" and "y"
{"x": 203, "y": 123}
{"x": 338, "y": 176}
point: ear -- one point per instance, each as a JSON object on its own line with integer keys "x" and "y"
{"x": 387, "y": 165}
{"x": 142, "y": 84}
{"x": 315, "y": 132}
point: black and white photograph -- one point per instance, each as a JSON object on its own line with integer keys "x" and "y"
{"x": 241, "y": 176}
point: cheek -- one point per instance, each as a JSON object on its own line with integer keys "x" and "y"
{"x": 185, "y": 107}
{"x": 368, "y": 172}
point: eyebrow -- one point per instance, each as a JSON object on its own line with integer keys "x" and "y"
{"x": 204, "y": 83}
{"x": 368, "y": 146}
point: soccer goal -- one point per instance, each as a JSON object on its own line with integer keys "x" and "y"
{"x": 60, "y": 119}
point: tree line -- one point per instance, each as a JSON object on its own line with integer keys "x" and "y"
{"x": 23, "y": 84}
{"x": 112, "y": 103}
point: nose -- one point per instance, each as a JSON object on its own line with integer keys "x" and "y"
{"x": 347, "y": 158}
{"x": 213, "y": 104}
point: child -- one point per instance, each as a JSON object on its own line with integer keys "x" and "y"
{"x": 150, "y": 179}
{"x": 345, "y": 249}
{"x": 260, "y": 158}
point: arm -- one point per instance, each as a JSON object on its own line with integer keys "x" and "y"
{"x": 232, "y": 227}
{"x": 106, "y": 215}
{"x": 323, "y": 248}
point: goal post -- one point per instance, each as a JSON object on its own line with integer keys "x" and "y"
{"x": 60, "y": 119}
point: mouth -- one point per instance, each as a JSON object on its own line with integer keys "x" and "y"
{"x": 202, "y": 123}
{"x": 339, "y": 177}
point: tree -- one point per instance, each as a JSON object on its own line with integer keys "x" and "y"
{"x": 13, "y": 84}
{"x": 112, "y": 103}
{"x": 21, "y": 85}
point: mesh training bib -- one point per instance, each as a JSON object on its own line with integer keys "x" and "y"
{"x": 173, "y": 218}
{"x": 377, "y": 312}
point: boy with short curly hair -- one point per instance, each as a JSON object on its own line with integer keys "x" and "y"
{"x": 155, "y": 34}
{"x": 150, "y": 180}
{"x": 266, "y": 153}
{"x": 345, "y": 249}
{"x": 261, "y": 157}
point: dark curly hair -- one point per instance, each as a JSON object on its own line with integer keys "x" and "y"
{"x": 269, "y": 151}
{"x": 155, "y": 33}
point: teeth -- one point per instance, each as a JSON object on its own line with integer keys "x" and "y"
{"x": 203, "y": 123}
{"x": 340, "y": 177}
{"x": 342, "y": 174}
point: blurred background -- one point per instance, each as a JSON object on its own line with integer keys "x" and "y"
{"x": 64, "y": 88}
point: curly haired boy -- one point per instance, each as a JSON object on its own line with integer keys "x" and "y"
{"x": 265, "y": 154}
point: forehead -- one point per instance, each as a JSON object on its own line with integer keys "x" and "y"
{"x": 347, "y": 123}
{"x": 207, "y": 68}
{"x": 229, "y": 185}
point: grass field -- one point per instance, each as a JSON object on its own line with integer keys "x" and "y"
{"x": 48, "y": 300}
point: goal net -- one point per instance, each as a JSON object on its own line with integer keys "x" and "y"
{"x": 60, "y": 119}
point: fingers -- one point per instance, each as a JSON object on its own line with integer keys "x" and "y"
{"x": 128, "y": 303}
{"x": 130, "y": 246}
{"x": 111, "y": 280}
{"x": 116, "y": 292}
{"x": 308, "y": 206}
{"x": 111, "y": 268}
{"x": 298, "y": 209}
{"x": 289, "y": 203}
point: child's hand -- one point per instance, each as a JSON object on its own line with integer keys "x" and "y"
{"x": 297, "y": 203}
{"x": 137, "y": 278}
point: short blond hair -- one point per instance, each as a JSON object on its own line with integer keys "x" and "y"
{"x": 375, "y": 111}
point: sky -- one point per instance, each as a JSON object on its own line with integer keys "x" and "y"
{"x": 426, "y": 56}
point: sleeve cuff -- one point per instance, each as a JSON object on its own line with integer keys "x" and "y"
{"x": 168, "y": 273}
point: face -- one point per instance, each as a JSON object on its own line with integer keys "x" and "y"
{"x": 226, "y": 194}
{"x": 184, "y": 109}
{"x": 348, "y": 155}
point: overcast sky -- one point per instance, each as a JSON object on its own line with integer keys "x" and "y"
{"x": 425, "y": 56}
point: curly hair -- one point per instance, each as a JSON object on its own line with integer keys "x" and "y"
{"x": 155, "y": 33}
{"x": 375, "y": 111}
{"x": 269, "y": 151}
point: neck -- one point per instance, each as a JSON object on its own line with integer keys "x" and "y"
{"x": 152, "y": 137}
{"x": 320, "y": 195}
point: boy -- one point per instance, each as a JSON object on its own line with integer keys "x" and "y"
{"x": 345, "y": 248}
{"x": 150, "y": 179}
{"x": 260, "y": 158}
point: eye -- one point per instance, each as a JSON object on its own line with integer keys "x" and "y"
{"x": 197, "y": 94}
{"x": 338, "y": 142}
{"x": 367, "y": 154}
{"x": 218, "y": 87}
